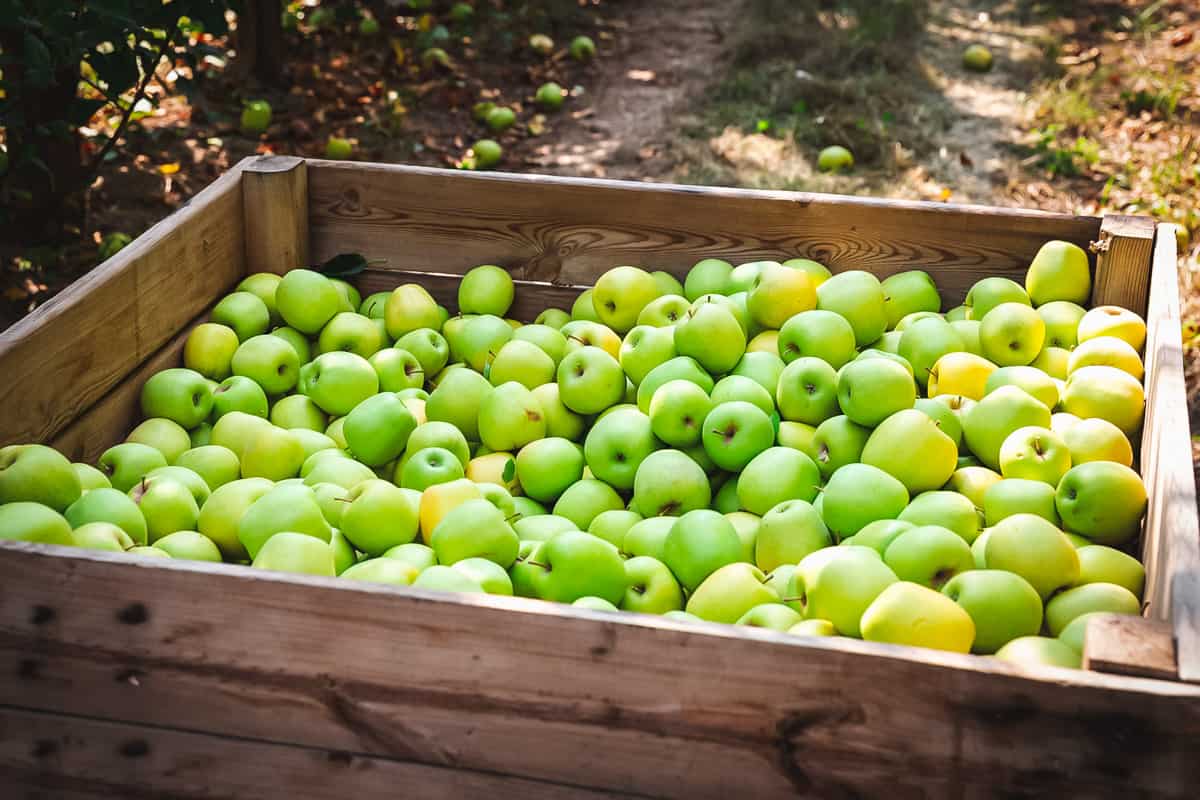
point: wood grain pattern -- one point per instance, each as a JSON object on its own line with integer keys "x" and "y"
{"x": 275, "y": 197}
{"x": 1171, "y": 534}
{"x": 1128, "y": 645}
{"x": 530, "y": 299}
{"x": 69, "y": 353}
{"x": 63, "y": 756}
{"x": 1123, "y": 255}
{"x": 531, "y": 690}
{"x": 568, "y": 231}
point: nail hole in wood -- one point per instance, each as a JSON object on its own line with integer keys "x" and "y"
{"x": 42, "y": 615}
{"x": 134, "y": 614}
{"x": 131, "y": 676}
{"x": 29, "y": 669}
{"x": 44, "y": 748}
{"x": 134, "y": 748}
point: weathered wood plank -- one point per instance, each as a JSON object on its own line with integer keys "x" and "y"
{"x": 68, "y": 354}
{"x": 530, "y": 299}
{"x": 567, "y": 230}
{"x": 1123, "y": 255}
{"x": 517, "y": 687}
{"x": 1128, "y": 645}
{"x": 65, "y": 756}
{"x": 1171, "y": 534}
{"x": 275, "y": 197}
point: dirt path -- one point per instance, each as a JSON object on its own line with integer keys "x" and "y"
{"x": 666, "y": 51}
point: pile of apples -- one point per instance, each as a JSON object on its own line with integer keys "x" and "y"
{"x": 767, "y": 445}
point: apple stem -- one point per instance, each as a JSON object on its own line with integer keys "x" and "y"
{"x": 539, "y": 564}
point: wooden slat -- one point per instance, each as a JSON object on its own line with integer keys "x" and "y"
{"x": 1123, "y": 255}
{"x": 1129, "y": 645}
{"x": 568, "y": 230}
{"x": 65, "y": 756}
{"x": 69, "y": 353}
{"x": 530, "y": 298}
{"x": 1171, "y": 535}
{"x": 275, "y": 193}
{"x": 548, "y": 693}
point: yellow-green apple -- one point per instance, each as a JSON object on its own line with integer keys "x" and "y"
{"x": 242, "y": 312}
{"x": 620, "y": 294}
{"x": 167, "y": 506}
{"x": 878, "y": 535}
{"x": 787, "y": 533}
{"x": 441, "y": 434}
{"x": 126, "y": 464}
{"x": 522, "y": 362}
{"x": 332, "y": 500}
{"x": 667, "y": 283}
{"x": 583, "y": 309}
{"x": 911, "y": 614}
{"x": 439, "y": 499}
{"x": 858, "y": 296}
{"x": 914, "y": 317}
{"x": 960, "y": 373}
{"x": 677, "y": 411}
{"x": 510, "y": 417}
{"x": 734, "y": 433}
{"x": 410, "y": 307}
{"x": 499, "y": 468}
{"x": 1034, "y": 549}
{"x": 908, "y": 292}
{"x": 224, "y": 509}
{"x": 838, "y": 585}
{"x": 1107, "y": 351}
{"x": 646, "y": 538}
{"x": 457, "y": 401}
{"x": 765, "y": 368}
{"x": 1113, "y": 321}
{"x": 737, "y": 387}
{"x": 973, "y": 483}
{"x": 725, "y": 498}
{"x": 586, "y": 499}
{"x": 798, "y": 436}
{"x": 306, "y": 300}
{"x": 988, "y": 293}
{"x": 859, "y": 494}
{"x": 429, "y": 466}
{"x": 379, "y": 516}
{"x": 37, "y": 474}
{"x": 612, "y": 525}
{"x": 397, "y": 369}
{"x": 189, "y": 545}
{"x": 337, "y": 382}
{"x": 892, "y": 444}
{"x": 772, "y": 616}
{"x": 818, "y": 273}
{"x": 209, "y": 350}
{"x": 895, "y": 358}
{"x": 112, "y": 506}
{"x": 488, "y": 574}
{"x": 871, "y": 390}
{"x": 1012, "y": 334}
{"x": 699, "y": 543}
{"x": 551, "y": 340}
{"x": 297, "y": 340}
{"x": 1102, "y": 501}
{"x": 1003, "y": 606}
{"x": 779, "y": 294}
{"x": 546, "y": 467}
{"x": 775, "y": 475}
{"x": 644, "y": 348}
{"x": 584, "y": 333}
{"x": 180, "y": 395}
{"x": 296, "y": 552}
{"x": 746, "y": 525}
{"x": 1031, "y": 379}
{"x": 282, "y": 508}
{"x": 968, "y": 330}
{"x": 708, "y": 276}
{"x": 263, "y": 285}
{"x": 429, "y": 348}
{"x": 104, "y": 536}
{"x": 730, "y": 592}
{"x": 296, "y": 411}
{"x": 373, "y": 305}
{"x": 669, "y": 483}
{"x": 617, "y": 444}
{"x": 335, "y": 466}
{"x": 1039, "y": 651}
{"x": 1062, "y": 323}
{"x": 439, "y": 578}
{"x": 808, "y": 391}
{"x": 957, "y": 313}
{"x": 272, "y": 453}
{"x": 929, "y": 555}
{"x": 836, "y": 442}
{"x": 1036, "y": 454}
{"x": 475, "y": 529}
{"x": 542, "y": 527}
{"x": 1053, "y": 361}
{"x": 1101, "y": 564}
{"x": 192, "y": 480}
{"x": 745, "y": 276}
{"x": 946, "y": 418}
{"x": 268, "y": 360}
{"x": 414, "y": 554}
{"x": 576, "y": 564}
{"x": 378, "y": 429}
{"x": 990, "y": 421}
{"x": 820, "y": 334}
{"x": 1075, "y": 631}
{"x": 352, "y": 333}
{"x": 590, "y": 380}
{"x": 1091, "y": 597}
{"x": 240, "y": 393}
{"x": 711, "y": 335}
{"x": 1059, "y": 272}
{"x": 813, "y": 627}
{"x": 651, "y": 588}
{"x": 664, "y": 311}
{"x": 764, "y": 342}
{"x": 948, "y": 509}
{"x": 90, "y": 477}
{"x": 678, "y": 368}
{"x": 486, "y": 289}
{"x": 382, "y": 570}
{"x": 26, "y": 521}
{"x": 201, "y": 434}
{"x": 498, "y": 496}
{"x": 924, "y": 343}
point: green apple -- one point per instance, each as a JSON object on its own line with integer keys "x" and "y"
{"x": 838, "y": 585}
{"x": 699, "y": 543}
{"x": 612, "y": 525}
{"x": 270, "y": 361}
{"x": 112, "y": 506}
{"x": 836, "y": 442}
{"x": 189, "y": 545}
{"x": 947, "y": 509}
{"x": 678, "y": 368}
{"x": 776, "y": 475}
{"x": 576, "y": 564}
{"x": 765, "y": 368}
{"x": 816, "y": 272}
{"x": 295, "y": 552}
{"x": 891, "y": 445}
{"x": 1032, "y": 380}
{"x": 282, "y": 508}
{"x": 909, "y": 292}
{"x": 103, "y": 536}
{"x": 879, "y": 534}
{"x": 929, "y": 555}
{"x": 744, "y": 277}
{"x": 373, "y": 305}
{"x": 779, "y": 294}
{"x": 379, "y": 516}
{"x": 486, "y": 289}
{"x": 1002, "y": 605}
{"x": 306, "y": 300}
{"x": 1034, "y": 549}
{"x": 772, "y": 616}
{"x": 990, "y": 421}
{"x": 957, "y": 314}
{"x": 616, "y": 446}
{"x": 859, "y": 494}
{"x": 973, "y": 483}
{"x": 789, "y": 532}
{"x": 583, "y": 309}
{"x": 352, "y": 333}
{"x": 708, "y": 276}
{"x": 430, "y": 466}
{"x": 542, "y": 527}
{"x": 667, "y": 283}
{"x": 90, "y": 477}
{"x": 457, "y": 400}
{"x": 244, "y": 313}
{"x": 1059, "y": 272}
{"x": 911, "y": 614}
{"x": 488, "y": 574}
{"x": 1101, "y": 564}
{"x": 857, "y": 296}
{"x": 209, "y": 350}
{"x": 26, "y": 521}
{"x": 201, "y": 434}
{"x": 427, "y": 346}
{"x": 334, "y": 466}
{"x": 585, "y": 500}
{"x": 500, "y": 497}
{"x": 337, "y": 382}
{"x": 1012, "y": 334}
{"x": 551, "y": 340}
{"x": 440, "y": 434}
{"x": 378, "y": 429}
{"x": 924, "y": 344}
{"x": 297, "y": 412}
{"x": 1062, "y": 323}
{"x": 1113, "y": 321}
{"x": 180, "y": 395}
{"x": 1107, "y": 393}
{"x": 1068, "y": 604}
{"x": 988, "y": 293}
{"x": 746, "y": 525}
{"x": 646, "y": 538}
{"x": 725, "y": 497}
{"x": 522, "y": 362}
{"x": 947, "y": 420}
{"x": 664, "y": 311}
{"x": 1036, "y": 454}
{"x": 669, "y": 483}
{"x": 446, "y": 579}
{"x": 1019, "y": 496}
{"x": 1102, "y": 501}
{"x": 167, "y": 506}
{"x": 527, "y": 506}
{"x": 192, "y": 480}
{"x": 711, "y": 334}
{"x": 798, "y": 436}
{"x": 124, "y": 464}
{"x": 807, "y": 391}
{"x": 735, "y": 432}
{"x": 1075, "y": 632}
{"x": 644, "y": 348}
{"x": 1039, "y": 651}
{"x": 332, "y": 500}
{"x": 620, "y": 294}
{"x": 651, "y": 588}
{"x": 582, "y": 333}
{"x": 871, "y": 390}
{"x": 382, "y": 570}
{"x": 779, "y": 579}
{"x": 819, "y": 334}
{"x": 590, "y": 380}
{"x": 546, "y": 467}
{"x": 38, "y": 474}
{"x": 272, "y": 453}
{"x": 263, "y": 285}
{"x": 414, "y": 554}
{"x": 510, "y": 417}
{"x": 239, "y": 393}
{"x": 410, "y": 307}
{"x": 677, "y": 411}
{"x": 729, "y": 592}
{"x": 224, "y": 509}
{"x": 968, "y": 330}
{"x": 1054, "y": 361}
{"x": 813, "y": 627}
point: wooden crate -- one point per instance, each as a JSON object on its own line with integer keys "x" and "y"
{"x": 154, "y": 679}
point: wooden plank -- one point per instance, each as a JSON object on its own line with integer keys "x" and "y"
{"x": 530, "y": 299}
{"x": 569, "y": 230}
{"x": 1128, "y": 645}
{"x": 112, "y": 417}
{"x": 544, "y": 692}
{"x": 69, "y": 353}
{"x": 275, "y": 196}
{"x": 1123, "y": 255}
{"x": 1171, "y": 534}
{"x": 59, "y": 756}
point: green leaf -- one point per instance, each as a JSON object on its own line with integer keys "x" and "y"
{"x": 39, "y": 65}
{"x": 510, "y": 470}
{"x": 343, "y": 265}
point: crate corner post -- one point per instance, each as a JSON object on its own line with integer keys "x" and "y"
{"x": 1123, "y": 256}
{"x": 275, "y": 197}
